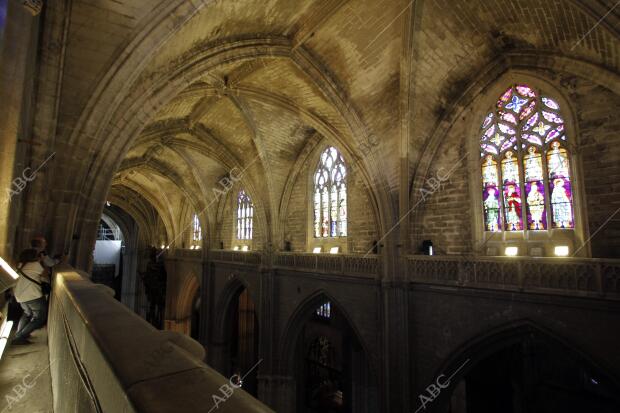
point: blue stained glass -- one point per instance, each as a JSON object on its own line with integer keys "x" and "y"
{"x": 516, "y": 104}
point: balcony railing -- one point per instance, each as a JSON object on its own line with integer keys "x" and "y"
{"x": 342, "y": 264}
{"x": 236, "y": 257}
{"x": 185, "y": 253}
{"x": 566, "y": 276}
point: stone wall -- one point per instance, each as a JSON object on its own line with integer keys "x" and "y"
{"x": 445, "y": 326}
{"x": 597, "y": 110}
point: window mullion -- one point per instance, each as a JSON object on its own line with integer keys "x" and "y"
{"x": 500, "y": 188}
{"x": 548, "y": 212}
{"x": 524, "y": 205}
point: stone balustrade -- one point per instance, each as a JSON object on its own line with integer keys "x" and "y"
{"x": 185, "y": 253}
{"x": 237, "y": 257}
{"x": 341, "y": 264}
{"x": 105, "y": 358}
{"x": 564, "y": 276}
{"x": 567, "y": 276}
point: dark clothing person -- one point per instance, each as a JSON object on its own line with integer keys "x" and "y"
{"x": 34, "y": 317}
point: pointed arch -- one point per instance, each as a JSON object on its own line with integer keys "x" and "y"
{"x": 245, "y": 216}
{"x": 187, "y": 293}
{"x": 508, "y": 65}
{"x": 231, "y": 290}
{"x": 330, "y": 195}
{"x": 465, "y": 358}
{"x": 521, "y": 127}
{"x": 303, "y": 313}
{"x": 145, "y": 101}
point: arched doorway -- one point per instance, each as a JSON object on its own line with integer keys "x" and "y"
{"x": 332, "y": 372}
{"x": 532, "y": 373}
{"x": 243, "y": 340}
{"x": 108, "y": 255}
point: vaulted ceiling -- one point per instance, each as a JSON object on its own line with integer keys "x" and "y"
{"x": 344, "y": 70}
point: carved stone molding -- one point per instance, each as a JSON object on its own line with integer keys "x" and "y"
{"x": 579, "y": 277}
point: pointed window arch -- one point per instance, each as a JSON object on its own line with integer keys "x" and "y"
{"x": 325, "y": 310}
{"x": 526, "y": 179}
{"x": 245, "y": 216}
{"x": 197, "y": 232}
{"x": 330, "y": 195}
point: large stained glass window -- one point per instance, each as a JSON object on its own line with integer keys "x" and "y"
{"x": 525, "y": 164}
{"x": 490, "y": 194}
{"x": 330, "y": 195}
{"x": 197, "y": 233}
{"x": 245, "y": 216}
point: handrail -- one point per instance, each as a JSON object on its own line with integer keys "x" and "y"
{"x": 103, "y": 357}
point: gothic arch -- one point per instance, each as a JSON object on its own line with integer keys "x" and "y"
{"x": 224, "y": 304}
{"x": 181, "y": 75}
{"x": 517, "y": 62}
{"x": 479, "y": 107}
{"x": 187, "y": 293}
{"x": 478, "y": 348}
{"x": 206, "y": 142}
{"x": 140, "y": 209}
{"x": 295, "y": 325}
{"x": 471, "y": 102}
{"x": 166, "y": 218}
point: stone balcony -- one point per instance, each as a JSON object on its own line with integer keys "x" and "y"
{"x": 595, "y": 278}
{"x": 335, "y": 264}
{"x": 339, "y": 264}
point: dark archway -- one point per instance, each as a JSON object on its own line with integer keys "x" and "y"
{"x": 331, "y": 368}
{"x": 523, "y": 369}
{"x": 108, "y": 254}
{"x": 241, "y": 337}
{"x": 195, "y": 317}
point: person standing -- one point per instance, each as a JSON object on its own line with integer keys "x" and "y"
{"x": 39, "y": 243}
{"x": 29, "y": 295}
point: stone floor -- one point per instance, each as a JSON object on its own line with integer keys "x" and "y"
{"x": 25, "y": 382}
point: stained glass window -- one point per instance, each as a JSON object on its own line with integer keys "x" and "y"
{"x": 512, "y": 193}
{"x": 330, "y": 195}
{"x": 197, "y": 233}
{"x": 534, "y": 189}
{"x": 245, "y": 216}
{"x": 325, "y": 310}
{"x": 490, "y": 194}
{"x": 560, "y": 187}
{"x": 523, "y": 129}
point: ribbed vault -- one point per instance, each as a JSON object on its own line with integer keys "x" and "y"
{"x": 167, "y": 98}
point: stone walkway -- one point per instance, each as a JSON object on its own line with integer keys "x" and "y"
{"x": 25, "y": 382}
